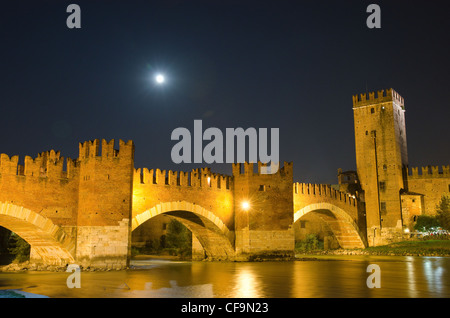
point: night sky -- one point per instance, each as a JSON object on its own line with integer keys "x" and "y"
{"x": 265, "y": 64}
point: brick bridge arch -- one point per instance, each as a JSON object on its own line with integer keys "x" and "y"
{"x": 48, "y": 241}
{"x": 214, "y": 236}
{"x": 340, "y": 210}
{"x": 343, "y": 227}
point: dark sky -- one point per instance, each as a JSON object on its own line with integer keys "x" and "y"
{"x": 293, "y": 65}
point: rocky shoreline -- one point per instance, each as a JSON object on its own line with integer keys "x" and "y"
{"x": 27, "y": 266}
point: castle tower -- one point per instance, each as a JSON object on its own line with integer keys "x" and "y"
{"x": 381, "y": 160}
{"x": 263, "y": 213}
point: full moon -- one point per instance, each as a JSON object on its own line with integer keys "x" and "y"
{"x": 160, "y": 78}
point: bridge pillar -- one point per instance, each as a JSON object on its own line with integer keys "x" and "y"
{"x": 263, "y": 213}
{"x": 104, "y": 204}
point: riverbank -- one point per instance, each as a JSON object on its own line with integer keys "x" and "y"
{"x": 27, "y": 266}
{"x": 405, "y": 248}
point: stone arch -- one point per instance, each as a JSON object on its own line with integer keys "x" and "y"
{"x": 49, "y": 242}
{"x": 214, "y": 236}
{"x": 344, "y": 228}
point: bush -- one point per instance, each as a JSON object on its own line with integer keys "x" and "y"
{"x": 19, "y": 247}
{"x": 311, "y": 243}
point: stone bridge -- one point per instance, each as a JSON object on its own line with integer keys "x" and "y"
{"x": 84, "y": 210}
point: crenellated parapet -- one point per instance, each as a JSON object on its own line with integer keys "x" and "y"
{"x": 382, "y": 96}
{"x": 247, "y": 169}
{"x": 91, "y": 149}
{"x": 47, "y": 164}
{"x": 197, "y": 178}
{"x": 323, "y": 191}
{"x": 429, "y": 172}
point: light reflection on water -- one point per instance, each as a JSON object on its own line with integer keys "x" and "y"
{"x": 342, "y": 276}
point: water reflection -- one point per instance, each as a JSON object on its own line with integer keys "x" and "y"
{"x": 247, "y": 284}
{"x": 434, "y": 273}
{"x": 327, "y": 277}
{"x": 412, "y": 287}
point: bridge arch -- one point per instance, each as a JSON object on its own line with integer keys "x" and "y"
{"x": 344, "y": 228}
{"x": 49, "y": 241}
{"x": 214, "y": 236}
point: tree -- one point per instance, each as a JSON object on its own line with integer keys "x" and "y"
{"x": 179, "y": 238}
{"x": 443, "y": 212}
{"x": 426, "y": 223}
{"x": 20, "y": 248}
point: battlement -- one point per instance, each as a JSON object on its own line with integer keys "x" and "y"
{"x": 48, "y": 164}
{"x": 323, "y": 190}
{"x": 91, "y": 149}
{"x": 383, "y": 96}
{"x": 248, "y": 169}
{"x": 200, "y": 178}
{"x": 429, "y": 172}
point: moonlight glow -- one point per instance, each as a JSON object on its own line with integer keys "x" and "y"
{"x": 160, "y": 79}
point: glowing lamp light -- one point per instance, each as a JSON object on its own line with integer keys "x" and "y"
{"x": 245, "y": 205}
{"x": 406, "y": 230}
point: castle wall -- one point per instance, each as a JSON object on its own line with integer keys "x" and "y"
{"x": 432, "y": 183}
{"x": 42, "y": 185}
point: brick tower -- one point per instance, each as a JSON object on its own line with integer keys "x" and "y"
{"x": 263, "y": 213}
{"x": 381, "y": 161}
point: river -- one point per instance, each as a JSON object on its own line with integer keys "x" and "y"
{"x": 328, "y": 276}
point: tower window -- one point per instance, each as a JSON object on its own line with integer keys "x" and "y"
{"x": 382, "y": 185}
{"x": 302, "y": 224}
{"x": 384, "y": 167}
{"x": 367, "y": 132}
{"x": 372, "y": 110}
{"x": 383, "y": 206}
